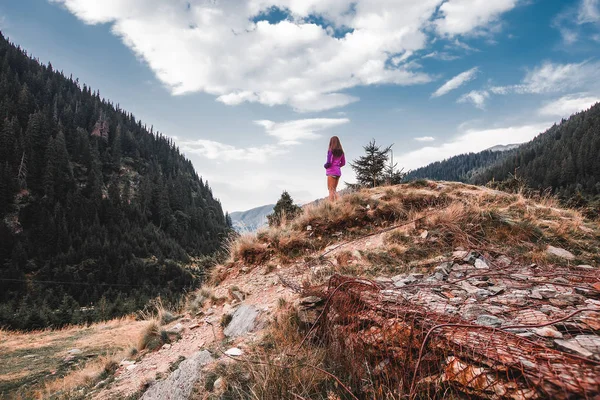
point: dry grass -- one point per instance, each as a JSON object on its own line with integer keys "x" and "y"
{"x": 275, "y": 368}
{"x": 454, "y": 214}
{"x": 33, "y": 366}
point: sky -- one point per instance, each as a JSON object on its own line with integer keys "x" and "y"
{"x": 252, "y": 90}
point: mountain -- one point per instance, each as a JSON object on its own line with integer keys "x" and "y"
{"x": 564, "y": 158}
{"x": 98, "y": 214}
{"x": 502, "y": 147}
{"x": 251, "y": 220}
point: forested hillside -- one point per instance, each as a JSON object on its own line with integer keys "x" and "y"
{"x": 565, "y": 158}
{"x": 97, "y": 213}
{"x": 461, "y": 168}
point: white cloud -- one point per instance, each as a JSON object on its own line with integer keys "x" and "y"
{"x": 570, "y": 22}
{"x": 425, "y": 139}
{"x": 216, "y": 48}
{"x": 444, "y": 56}
{"x": 477, "y": 97}
{"x": 568, "y": 105}
{"x": 287, "y": 133}
{"x": 291, "y": 132}
{"x": 472, "y": 140}
{"x": 463, "y": 16}
{"x": 589, "y": 11}
{"x": 224, "y": 152}
{"x": 456, "y": 82}
{"x": 552, "y": 78}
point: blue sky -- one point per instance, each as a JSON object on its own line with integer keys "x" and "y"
{"x": 251, "y": 90}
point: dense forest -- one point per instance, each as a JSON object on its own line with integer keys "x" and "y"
{"x": 97, "y": 213}
{"x": 564, "y": 160}
{"x": 461, "y": 168}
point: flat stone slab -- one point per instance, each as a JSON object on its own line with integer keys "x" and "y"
{"x": 562, "y": 253}
{"x": 242, "y": 321}
{"x": 180, "y": 383}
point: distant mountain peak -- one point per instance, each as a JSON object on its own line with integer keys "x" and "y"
{"x": 503, "y": 147}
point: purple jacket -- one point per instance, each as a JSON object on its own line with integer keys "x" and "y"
{"x": 335, "y": 164}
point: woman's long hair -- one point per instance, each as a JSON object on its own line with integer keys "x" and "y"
{"x": 335, "y": 146}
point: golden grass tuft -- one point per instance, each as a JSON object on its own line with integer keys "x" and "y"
{"x": 275, "y": 368}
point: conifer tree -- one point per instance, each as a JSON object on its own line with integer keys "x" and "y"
{"x": 370, "y": 168}
{"x": 284, "y": 210}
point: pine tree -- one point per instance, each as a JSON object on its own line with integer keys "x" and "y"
{"x": 370, "y": 168}
{"x": 284, "y": 210}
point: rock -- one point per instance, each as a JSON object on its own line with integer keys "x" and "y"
{"x": 480, "y": 264}
{"x": 417, "y": 276}
{"x": 596, "y": 286}
{"x": 591, "y": 319}
{"x": 548, "y": 309}
{"x": 424, "y": 234}
{"x": 444, "y": 268}
{"x": 482, "y": 294}
{"x": 459, "y": 254}
{"x": 234, "y": 352}
{"x": 311, "y": 301}
{"x": 177, "y": 328}
{"x": 471, "y": 257}
{"x": 438, "y": 276}
{"x": 480, "y": 284}
{"x": 472, "y": 311}
{"x": 239, "y": 296}
{"x": 243, "y": 321}
{"x": 488, "y": 320}
{"x": 584, "y": 291}
{"x": 558, "y": 252}
{"x": 166, "y": 346}
{"x": 546, "y": 293}
{"x": 496, "y": 289}
{"x": 593, "y": 303}
{"x": 573, "y": 347}
{"x": 560, "y": 280}
{"x": 180, "y": 383}
{"x": 219, "y": 386}
{"x": 531, "y": 317}
{"x": 584, "y": 266}
{"x": 131, "y": 367}
{"x": 309, "y": 227}
{"x": 68, "y": 359}
{"x": 74, "y": 352}
{"x": 503, "y": 261}
{"x": 193, "y": 326}
{"x": 535, "y": 294}
{"x": 589, "y": 342}
{"x": 549, "y": 332}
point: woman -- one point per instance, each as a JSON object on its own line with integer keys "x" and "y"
{"x": 333, "y": 166}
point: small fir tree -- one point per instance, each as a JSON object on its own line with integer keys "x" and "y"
{"x": 370, "y": 168}
{"x": 284, "y": 210}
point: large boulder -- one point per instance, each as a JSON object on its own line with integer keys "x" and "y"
{"x": 180, "y": 383}
{"x": 242, "y": 321}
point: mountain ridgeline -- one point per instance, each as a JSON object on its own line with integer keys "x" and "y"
{"x": 460, "y": 168}
{"x": 564, "y": 160}
{"x": 97, "y": 213}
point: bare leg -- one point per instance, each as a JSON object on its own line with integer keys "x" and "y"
{"x": 332, "y": 182}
